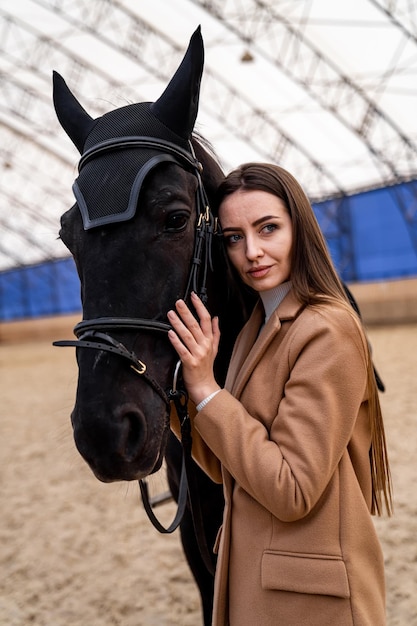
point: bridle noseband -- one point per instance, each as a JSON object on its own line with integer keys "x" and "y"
{"x": 95, "y": 333}
{"x": 90, "y": 334}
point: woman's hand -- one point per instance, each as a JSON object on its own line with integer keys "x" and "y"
{"x": 196, "y": 344}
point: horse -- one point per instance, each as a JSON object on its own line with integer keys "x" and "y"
{"x": 142, "y": 235}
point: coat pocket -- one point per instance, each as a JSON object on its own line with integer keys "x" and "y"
{"x": 305, "y": 573}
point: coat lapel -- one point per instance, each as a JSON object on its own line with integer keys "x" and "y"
{"x": 252, "y": 344}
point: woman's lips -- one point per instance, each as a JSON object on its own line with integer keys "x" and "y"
{"x": 259, "y": 272}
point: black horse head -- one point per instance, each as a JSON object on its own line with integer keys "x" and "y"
{"x": 134, "y": 235}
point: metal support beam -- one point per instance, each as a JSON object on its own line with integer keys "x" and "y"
{"x": 159, "y": 56}
{"x": 287, "y": 47}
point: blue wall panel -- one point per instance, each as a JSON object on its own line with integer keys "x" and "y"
{"x": 371, "y": 236}
{"x": 49, "y": 288}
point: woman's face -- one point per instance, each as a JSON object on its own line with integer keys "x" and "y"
{"x": 257, "y": 231}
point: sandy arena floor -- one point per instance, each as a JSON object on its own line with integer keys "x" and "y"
{"x": 76, "y": 552}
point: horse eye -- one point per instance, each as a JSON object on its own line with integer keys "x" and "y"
{"x": 176, "y": 222}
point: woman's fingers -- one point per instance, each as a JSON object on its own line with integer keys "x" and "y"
{"x": 196, "y": 343}
{"x": 216, "y": 333}
{"x": 188, "y": 320}
{"x": 186, "y": 325}
{"x": 177, "y": 343}
{"x": 191, "y": 338}
{"x": 203, "y": 314}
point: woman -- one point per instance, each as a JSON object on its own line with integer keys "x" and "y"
{"x": 296, "y": 435}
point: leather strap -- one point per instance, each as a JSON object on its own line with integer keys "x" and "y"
{"x": 109, "y": 344}
{"x": 181, "y": 504}
{"x": 120, "y": 323}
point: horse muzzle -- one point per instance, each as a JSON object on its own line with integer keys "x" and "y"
{"x": 121, "y": 448}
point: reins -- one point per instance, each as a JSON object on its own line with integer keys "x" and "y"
{"x": 94, "y": 334}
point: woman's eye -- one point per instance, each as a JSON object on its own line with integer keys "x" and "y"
{"x": 231, "y": 239}
{"x": 176, "y": 222}
{"x": 269, "y": 228}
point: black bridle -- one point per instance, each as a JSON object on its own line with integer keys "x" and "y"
{"x": 96, "y": 333}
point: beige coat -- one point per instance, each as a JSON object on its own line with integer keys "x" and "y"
{"x": 291, "y": 438}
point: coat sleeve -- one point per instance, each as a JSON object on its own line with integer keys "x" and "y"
{"x": 286, "y": 468}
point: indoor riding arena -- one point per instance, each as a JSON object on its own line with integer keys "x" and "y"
{"x": 78, "y": 552}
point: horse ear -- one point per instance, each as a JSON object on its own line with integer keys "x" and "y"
{"x": 75, "y": 120}
{"x": 177, "y": 107}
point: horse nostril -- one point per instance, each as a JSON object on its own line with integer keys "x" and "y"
{"x": 132, "y": 435}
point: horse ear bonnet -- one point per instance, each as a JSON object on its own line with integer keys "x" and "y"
{"x": 115, "y": 155}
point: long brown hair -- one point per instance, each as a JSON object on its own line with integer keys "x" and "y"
{"x": 315, "y": 280}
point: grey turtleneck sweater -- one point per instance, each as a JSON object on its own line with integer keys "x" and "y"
{"x": 273, "y": 297}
